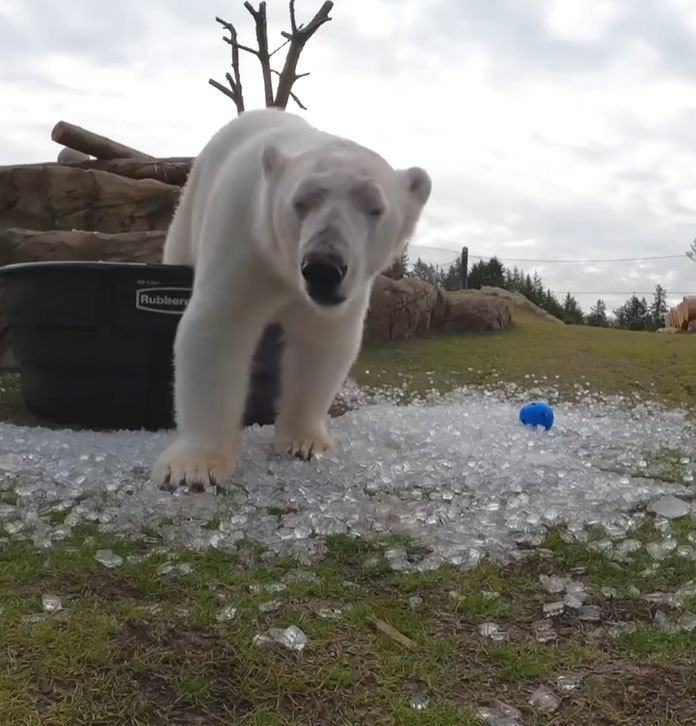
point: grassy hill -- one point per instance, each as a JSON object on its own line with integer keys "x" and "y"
{"x": 610, "y": 360}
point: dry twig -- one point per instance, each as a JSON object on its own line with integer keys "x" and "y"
{"x": 235, "y": 91}
{"x": 394, "y": 634}
{"x": 296, "y": 39}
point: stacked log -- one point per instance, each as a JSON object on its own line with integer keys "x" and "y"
{"x": 683, "y": 316}
{"x": 79, "y": 139}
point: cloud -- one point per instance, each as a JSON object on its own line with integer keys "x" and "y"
{"x": 553, "y": 129}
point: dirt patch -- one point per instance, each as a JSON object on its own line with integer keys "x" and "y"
{"x": 619, "y": 692}
{"x": 159, "y": 655}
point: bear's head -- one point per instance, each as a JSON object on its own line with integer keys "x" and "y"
{"x": 340, "y": 216}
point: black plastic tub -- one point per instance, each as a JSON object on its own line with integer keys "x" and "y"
{"x": 94, "y": 343}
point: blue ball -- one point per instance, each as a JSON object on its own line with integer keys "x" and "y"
{"x": 537, "y": 414}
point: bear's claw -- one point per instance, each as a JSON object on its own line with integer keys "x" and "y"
{"x": 183, "y": 463}
{"x": 304, "y": 447}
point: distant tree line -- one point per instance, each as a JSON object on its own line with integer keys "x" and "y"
{"x": 634, "y": 314}
{"x": 638, "y": 314}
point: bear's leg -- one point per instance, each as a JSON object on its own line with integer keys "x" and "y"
{"x": 317, "y": 359}
{"x": 214, "y": 346}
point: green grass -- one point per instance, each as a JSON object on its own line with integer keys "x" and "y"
{"x": 134, "y": 647}
{"x": 535, "y": 352}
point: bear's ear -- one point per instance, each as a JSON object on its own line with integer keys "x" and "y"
{"x": 272, "y": 160}
{"x": 418, "y": 183}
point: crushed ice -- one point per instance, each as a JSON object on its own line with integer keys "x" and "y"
{"x": 457, "y": 473}
{"x": 544, "y": 699}
{"x": 291, "y": 638}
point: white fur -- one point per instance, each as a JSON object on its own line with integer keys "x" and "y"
{"x": 239, "y": 226}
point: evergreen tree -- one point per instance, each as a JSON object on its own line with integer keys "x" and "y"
{"x": 487, "y": 273}
{"x": 537, "y": 289}
{"x": 399, "y": 267}
{"x": 495, "y": 273}
{"x": 476, "y": 275}
{"x": 633, "y": 314}
{"x": 527, "y": 288}
{"x": 571, "y": 311}
{"x": 658, "y": 308}
{"x": 551, "y": 305}
{"x": 452, "y": 277}
{"x": 426, "y": 271}
{"x": 598, "y": 315}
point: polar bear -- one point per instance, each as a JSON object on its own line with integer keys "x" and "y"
{"x": 282, "y": 223}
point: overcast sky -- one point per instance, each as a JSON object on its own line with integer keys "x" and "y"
{"x": 553, "y": 129}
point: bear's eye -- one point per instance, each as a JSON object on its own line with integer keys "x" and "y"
{"x": 375, "y": 212}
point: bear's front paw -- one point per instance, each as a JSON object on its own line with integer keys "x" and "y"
{"x": 194, "y": 465}
{"x": 303, "y": 446}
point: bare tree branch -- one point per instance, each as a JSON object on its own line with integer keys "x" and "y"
{"x": 292, "y": 94}
{"x": 293, "y": 24}
{"x": 253, "y": 51}
{"x": 235, "y": 91}
{"x": 262, "y": 54}
{"x": 280, "y": 47}
{"x": 298, "y": 37}
{"x": 297, "y": 101}
{"x": 691, "y": 253}
{"x": 222, "y": 89}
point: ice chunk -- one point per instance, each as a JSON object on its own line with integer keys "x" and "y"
{"x": 306, "y": 576}
{"x": 108, "y": 558}
{"x": 171, "y": 568}
{"x": 686, "y": 622}
{"x": 270, "y": 587}
{"x": 492, "y": 631}
{"x": 670, "y": 507}
{"x": 500, "y": 714}
{"x": 270, "y": 606}
{"x": 544, "y": 632}
{"x": 229, "y": 612}
{"x": 330, "y": 613}
{"x": 551, "y": 609}
{"x": 291, "y": 637}
{"x": 553, "y": 584}
{"x": 51, "y": 604}
{"x": 544, "y": 699}
{"x": 592, "y": 613}
{"x": 662, "y": 548}
{"x": 568, "y": 682}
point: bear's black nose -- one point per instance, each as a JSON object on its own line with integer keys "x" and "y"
{"x": 323, "y": 273}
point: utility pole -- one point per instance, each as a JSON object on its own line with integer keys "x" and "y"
{"x": 465, "y": 269}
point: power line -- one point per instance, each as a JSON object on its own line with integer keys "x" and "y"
{"x": 549, "y": 261}
{"x": 628, "y": 292}
{"x": 615, "y": 259}
{"x": 446, "y": 264}
{"x": 434, "y": 249}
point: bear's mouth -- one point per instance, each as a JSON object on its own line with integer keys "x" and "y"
{"x": 326, "y": 299}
